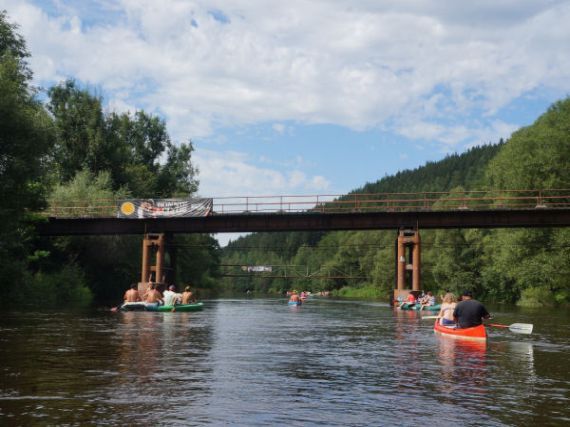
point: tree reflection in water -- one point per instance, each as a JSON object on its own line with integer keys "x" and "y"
{"x": 463, "y": 366}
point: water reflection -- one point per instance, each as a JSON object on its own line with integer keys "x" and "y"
{"x": 462, "y": 365}
{"x": 524, "y": 352}
{"x": 257, "y": 362}
{"x": 138, "y": 337}
{"x": 406, "y": 343}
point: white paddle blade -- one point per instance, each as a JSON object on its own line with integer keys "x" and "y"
{"x": 521, "y": 328}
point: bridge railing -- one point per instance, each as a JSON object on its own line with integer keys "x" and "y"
{"x": 394, "y": 202}
{"x": 356, "y": 202}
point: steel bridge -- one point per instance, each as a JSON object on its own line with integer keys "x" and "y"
{"x": 406, "y": 212}
{"x": 427, "y": 210}
{"x": 288, "y": 272}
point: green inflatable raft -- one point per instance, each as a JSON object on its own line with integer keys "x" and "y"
{"x": 182, "y": 307}
{"x": 417, "y": 307}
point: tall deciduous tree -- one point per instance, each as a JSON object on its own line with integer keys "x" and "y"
{"x": 25, "y": 138}
{"x": 80, "y": 128}
{"x": 134, "y": 148}
{"x": 536, "y": 157}
{"x": 151, "y": 164}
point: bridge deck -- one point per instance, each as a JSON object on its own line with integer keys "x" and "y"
{"x": 310, "y": 221}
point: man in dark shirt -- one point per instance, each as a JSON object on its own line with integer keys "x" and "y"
{"x": 470, "y": 312}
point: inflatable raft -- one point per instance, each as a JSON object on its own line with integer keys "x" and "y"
{"x": 133, "y": 306}
{"x": 417, "y": 307}
{"x": 143, "y": 306}
{"x": 182, "y": 307}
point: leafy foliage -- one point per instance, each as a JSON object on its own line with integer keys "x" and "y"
{"x": 71, "y": 150}
{"x": 25, "y": 140}
{"x": 129, "y": 147}
{"x": 71, "y": 153}
{"x": 501, "y": 265}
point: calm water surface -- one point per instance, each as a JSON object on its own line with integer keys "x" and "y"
{"x": 260, "y": 362}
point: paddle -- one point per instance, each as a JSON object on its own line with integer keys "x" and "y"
{"x": 517, "y": 328}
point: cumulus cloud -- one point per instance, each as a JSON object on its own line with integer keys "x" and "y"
{"x": 360, "y": 64}
{"x": 233, "y": 173}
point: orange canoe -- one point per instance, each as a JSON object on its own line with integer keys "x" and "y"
{"x": 474, "y": 333}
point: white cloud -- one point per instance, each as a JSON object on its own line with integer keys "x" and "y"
{"x": 358, "y": 64}
{"x": 279, "y": 128}
{"x": 296, "y": 178}
{"x": 319, "y": 183}
{"x": 234, "y": 174}
{"x": 225, "y": 238}
{"x": 453, "y": 136}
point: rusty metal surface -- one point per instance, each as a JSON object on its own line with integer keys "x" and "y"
{"x": 355, "y": 202}
{"x": 313, "y": 221}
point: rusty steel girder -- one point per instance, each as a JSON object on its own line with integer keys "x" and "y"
{"x": 313, "y": 221}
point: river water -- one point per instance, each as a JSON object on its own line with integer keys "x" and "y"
{"x": 260, "y": 362}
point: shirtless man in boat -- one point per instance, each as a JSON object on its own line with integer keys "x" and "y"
{"x": 153, "y": 296}
{"x": 132, "y": 294}
{"x": 188, "y": 296}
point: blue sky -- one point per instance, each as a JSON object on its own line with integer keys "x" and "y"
{"x": 309, "y": 97}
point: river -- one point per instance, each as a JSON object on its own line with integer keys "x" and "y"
{"x": 259, "y": 362}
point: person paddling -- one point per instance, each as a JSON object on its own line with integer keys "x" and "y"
{"x": 469, "y": 312}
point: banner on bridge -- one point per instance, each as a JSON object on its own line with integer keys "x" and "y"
{"x": 164, "y": 208}
{"x": 257, "y": 268}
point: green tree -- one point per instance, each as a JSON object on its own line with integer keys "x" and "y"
{"x": 25, "y": 140}
{"x": 536, "y": 156}
{"x": 13, "y": 48}
{"x": 80, "y": 129}
{"x": 519, "y": 261}
{"x": 198, "y": 261}
{"x": 107, "y": 264}
{"x": 141, "y": 141}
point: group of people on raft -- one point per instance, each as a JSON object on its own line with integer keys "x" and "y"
{"x": 424, "y": 300}
{"x": 154, "y": 296}
{"x": 462, "y": 312}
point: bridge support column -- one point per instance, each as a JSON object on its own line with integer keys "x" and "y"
{"x": 408, "y": 259}
{"x": 153, "y": 267}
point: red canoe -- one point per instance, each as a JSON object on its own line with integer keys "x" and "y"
{"x": 474, "y": 333}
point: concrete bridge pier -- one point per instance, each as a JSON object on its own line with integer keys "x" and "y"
{"x": 408, "y": 258}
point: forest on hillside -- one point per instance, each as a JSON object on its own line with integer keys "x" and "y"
{"x": 59, "y": 145}
{"x": 66, "y": 149}
{"x": 529, "y": 266}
